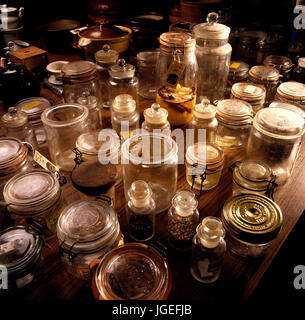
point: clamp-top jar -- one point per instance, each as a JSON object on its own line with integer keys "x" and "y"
{"x": 281, "y": 63}
{"x": 292, "y": 92}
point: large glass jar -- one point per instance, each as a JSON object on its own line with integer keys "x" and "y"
{"x": 213, "y": 53}
{"x": 282, "y": 64}
{"x": 152, "y": 158}
{"x": 251, "y": 222}
{"x": 292, "y": 92}
{"x": 299, "y": 71}
{"x": 289, "y": 106}
{"x": 234, "y": 123}
{"x": 176, "y": 72}
{"x": 86, "y": 230}
{"x": 275, "y": 138}
{"x": 63, "y": 124}
{"x": 81, "y": 86}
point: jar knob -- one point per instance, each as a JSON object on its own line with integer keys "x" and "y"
{"x": 12, "y": 111}
{"x": 205, "y": 101}
{"x": 121, "y": 62}
{"x": 106, "y": 47}
{"x": 212, "y": 18}
{"x": 155, "y": 107}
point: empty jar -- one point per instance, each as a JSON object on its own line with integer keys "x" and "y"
{"x": 282, "y": 64}
{"x": 238, "y": 72}
{"x": 292, "y": 92}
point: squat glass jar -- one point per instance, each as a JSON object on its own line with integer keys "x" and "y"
{"x": 291, "y": 92}
{"x": 282, "y": 64}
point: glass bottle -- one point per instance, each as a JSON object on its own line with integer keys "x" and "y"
{"x": 298, "y": 73}
{"x": 208, "y": 250}
{"x": 141, "y": 211}
{"x": 183, "y": 218}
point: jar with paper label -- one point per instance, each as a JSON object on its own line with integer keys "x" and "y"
{"x": 204, "y": 122}
{"x": 275, "y": 139}
{"x": 238, "y": 72}
{"x": 183, "y": 218}
{"x": 299, "y": 71}
{"x": 291, "y": 92}
{"x": 213, "y": 53}
{"x": 176, "y": 72}
{"x": 86, "y": 230}
{"x": 234, "y": 123}
{"x": 282, "y": 64}
{"x": 208, "y": 250}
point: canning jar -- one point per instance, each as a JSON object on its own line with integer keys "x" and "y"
{"x": 299, "y": 71}
{"x": 204, "y": 164}
{"x": 183, "y": 217}
{"x": 35, "y": 195}
{"x": 275, "y": 138}
{"x": 81, "y": 86}
{"x": 251, "y": 222}
{"x": 288, "y": 106}
{"x": 282, "y": 64}
{"x": 176, "y": 72}
{"x": 152, "y": 158}
{"x": 63, "y": 124}
{"x": 213, "y": 54}
{"x": 292, "y": 92}
{"x": 133, "y": 271}
{"x": 234, "y": 123}
{"x": 238, "y": 72}
{"x": 86, "y": 230}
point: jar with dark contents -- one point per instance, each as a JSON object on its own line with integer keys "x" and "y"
{"x": 282, "y": 64}
{"x": 299, "y": 71}
{"x": 238, "y": 72}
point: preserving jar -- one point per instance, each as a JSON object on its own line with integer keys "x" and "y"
{"x": 36, "y": 196}
{"x": 234, "y": 123}
{"x": 299, "y": 71}
{"x": 176, "y": 72}
{"x": 204, "y": 164}
{"x": 288, "y": 106}
{"x": 251, "y": 222}
{"x": 291, "y": 92}
{"x": 86, "y": 230}
{"x": 81, "y": 86}
{"x": 152, "y": 158}
{"x": 238, "y": 72}
{"x": 213, "y": 54}
{"x": 282, "y": 64}
{"x": 133, "y": 271}
{"x": 275, "y": 138}
{"x": 63, "y": 124}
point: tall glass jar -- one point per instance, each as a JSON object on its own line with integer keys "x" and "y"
{"x": 299, "y": 71}
{"x": 292, "y": 92}
{"x": 213, "y": 54}
{"x": 282, "y": 64}
{"x": 275, "y": 139}
{"x": 176, "y": 72}
{"x": 63, "y": 124}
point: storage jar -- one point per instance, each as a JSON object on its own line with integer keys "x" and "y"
{"x": 282, "y": 64}
{"x": 291, "y": 92}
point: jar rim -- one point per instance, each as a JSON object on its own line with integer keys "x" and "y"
{"x": 16, "y": 156}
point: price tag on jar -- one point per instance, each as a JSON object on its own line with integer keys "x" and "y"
{"x": 45, "y": 163}
{"x": 174, "y": 71}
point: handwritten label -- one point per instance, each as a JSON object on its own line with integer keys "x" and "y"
{"x": 45, "y": 163}
{"x": 31, "y": 105}
{"x": 234, "y": 65}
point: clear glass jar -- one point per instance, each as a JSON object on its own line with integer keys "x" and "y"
{"x": 81, "y": 86}
{"x": 183, "y": 218}
{"x": 152, "y": 158}
{"x": 213, "y": 54}
{"x": 251, "y": 222}
{"x": 35, "y": 195}
{"x": 238, "y": 72}
{"x": 299, "y": 71}
{"x": 204, "y": 119}
{"x": 282, "y": 64}
{"x": 86, "y": 230}
{"x": 291, "y": 92}
{"x": 275, "y": 138}
{"x": 63, "y": 124}
{"x": 288, "y": 106}
{"x": 234, "y": 123}
{"x": 204, "y": 164}
{"x": 208, "y": 250}
{"x": 176, "y": 72}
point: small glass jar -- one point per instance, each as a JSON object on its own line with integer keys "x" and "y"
{"x": 234, "y": 123}
{"x": 251, "y": 222}
{"x": 86, "y": 230}
{"x": 291, "y": 92}
{"x": 81, "y": 86}
{"x": 63, "y": 124}
{"x": 204, "y": 164}
{"x": 299, "y": 71}
{"x": 255, "y": 94}
{"x": 208, "y": 250}
{"x": 152, "y": 158}
{"x": 275, "y": 139}
{"x": 35, "y": 195}
{"x": 282, "y": 64}
{"x": 183, "y": 218}
{"x": 288, "y": 106}
{"x": 238, "y": 72}
{"x": 204, "y": 119}
{"x": 156, "y": 120}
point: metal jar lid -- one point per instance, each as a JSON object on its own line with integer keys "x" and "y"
{"x": 252, "y": 218}
{"x": 177, "y": 40}
{"x": 238, "y": 69}
{"x": 292, "y": 90}
{"x": 250, "y": 92}
{"x": 264, "y": 74}
{"x": 234, "y": 110}
{"x": 78, "y": 69}
{"x": 281, "y": 63}
{"x": 14, "y": 118}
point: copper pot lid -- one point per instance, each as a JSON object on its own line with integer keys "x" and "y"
{"x": 103, "y": 31}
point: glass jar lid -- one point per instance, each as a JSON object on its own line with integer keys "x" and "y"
{"x": 301, "y": 62}
{"x": 279, "y": 123}
{"x": 238, "y": 68}
{"x": 252, "y": 218}
{"x": 14, "y": 118}
{"x": 278, "y": 62}
{"x": 288, "y": 106}
{"x": 177, "y": 40}
{"x": 204, "y": 110}
{"x": 292, "y": 90}
{"x": 106, "y": 55}
{"x": 264, "y": 74}
{"x": 78, "y": 69}
{"x": 184, "y": 202}
{"x": 155, "y": 114}
{"x": 234, "y": 110}
{"x": 140, "y": 193}
{"x": 210, "y": 232}
{"x": 87, "y": 100}
{"x": 122, "y": 70}
{"x": 248, "y": 91}
{"x": 124, "y": 103}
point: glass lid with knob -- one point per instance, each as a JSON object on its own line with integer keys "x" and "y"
{"x": 155, "y": 114}
{"x": 122, "y": 70}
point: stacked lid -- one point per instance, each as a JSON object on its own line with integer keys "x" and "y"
{"x": 281, "y": 63}
{"x": 249, "y": 92}
{"x": 177, "y": 40}
{"x": 78, "y": 69}
{"x": 124, "y": 103}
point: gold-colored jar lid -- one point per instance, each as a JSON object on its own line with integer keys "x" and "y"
{"x": 252, "y": 218}
{"x": 292, "y": 90}
{"x": 250, "y": 92}
{"x": 264, "y": 74}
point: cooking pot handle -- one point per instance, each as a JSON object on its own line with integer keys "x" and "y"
{"x": 93, "y": 266}
{"x": 77, "y": 30}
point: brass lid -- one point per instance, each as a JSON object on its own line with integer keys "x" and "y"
{"x": 292, "y": 90}
{"x": 252, "y": 218}
{"x": 264, "y": 74}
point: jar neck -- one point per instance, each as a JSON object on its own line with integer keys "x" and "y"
{"x": 211, "y": 43}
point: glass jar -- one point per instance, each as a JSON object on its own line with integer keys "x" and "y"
{"x": 213, "y": 53}
{"x": 288, "y": 106}
{"x": 208, "y": 250}
{"x": 251, "y": 222}
{"x": 183, "y": 218}
{"x": 255, "y": 94}
{"x": 238, "y": 72}
{"x": 156, "y": 120}
{"x": 204, "y": 164}
{"x": 291, "y": 92}
{"x": 204, "y": 119}
{"x": 35, "y": 195}
{"x": 132, "y": 271}
{"x": 63, "y": 124}
{"x": 299, "y": 71}
{"x": 34, "y": 107}
{"x": 275, "y": 138}
{"x": 281, "y": 63}
{"x": 86, "y": 230}
{"x": 176, "y": 72}
{"x": 81, "y": 86}
{"x": 152, "y": 158}
{"x": 234, "y": 123}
